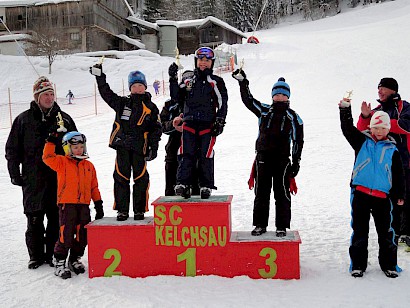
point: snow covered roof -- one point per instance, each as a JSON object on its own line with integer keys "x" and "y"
{"x": 11, "y": 3}
{"x": 131, "y": 41}
{"x": 198, "y": 23}
{"x": 13, "y": 37}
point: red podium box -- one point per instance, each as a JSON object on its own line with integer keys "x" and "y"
{"x": 189, "y": 237}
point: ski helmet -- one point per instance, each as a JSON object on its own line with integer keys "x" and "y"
{"x": 205, "y": 52}
{"x": 73, "y": 138}
{"x": 136, "y": 77}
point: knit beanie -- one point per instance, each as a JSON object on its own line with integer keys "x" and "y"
{"x": 136, "y": 77}
{"x": 281, "y": 87}
{"x": 389, "y": 83}
{"x": 41, "y": 86}
{"x": 380, "y": 119}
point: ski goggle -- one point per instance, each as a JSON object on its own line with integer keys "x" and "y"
{"x": 205, "y": 52}
{"x": 76, "y": 139}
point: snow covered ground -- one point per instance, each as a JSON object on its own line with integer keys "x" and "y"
{"x": 320, "y": 60}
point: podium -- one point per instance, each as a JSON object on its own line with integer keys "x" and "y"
{"x": 189, "y": 237}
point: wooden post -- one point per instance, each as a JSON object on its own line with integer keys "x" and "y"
{"x": 95, "y": 98}
{"x": 11, "y": 116}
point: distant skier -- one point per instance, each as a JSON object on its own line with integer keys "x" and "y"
{"x": 156, "y": 86}
{"x": 70, "y": 96}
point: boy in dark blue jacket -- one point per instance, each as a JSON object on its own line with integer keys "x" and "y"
{"x": 135, "y": 136}
{"x": 377, "y": 183}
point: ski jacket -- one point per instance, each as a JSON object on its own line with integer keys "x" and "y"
{"x": 377, "y": 164}
{"x": 137, "y": 126}
{"x": 24, "y": 147}
{"x": 76, "y": 179}
{"x": 279, "y": 126}
{"x": 207, "y": 99}
{"x": 399, "y": 112}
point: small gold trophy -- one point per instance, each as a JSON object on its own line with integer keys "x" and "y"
{"x": 177, "y": 62}
{"x": 345, "y": 102}
{"x": 60, "y": 123}
{"x": 348, "y": 95}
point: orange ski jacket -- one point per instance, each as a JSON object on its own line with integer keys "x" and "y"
{"x": 77, "y": 180}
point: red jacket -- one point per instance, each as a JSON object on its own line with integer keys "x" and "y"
{"x": 77, "y": 180}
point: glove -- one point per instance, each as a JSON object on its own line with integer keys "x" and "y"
{"x": 53, "y": 138}
{"x": 294, "y": 170}
{"x": 239, "y": 75}
{"x": 218, "y": 127}
{"x": 345, "y": 103}
{"x": 99, "y": 211}
{"x": 96, "y": 70}
{"x": 18, "y": 180}
{"x": 173, "y": 70}
{"x": 292, "y": 186}
{"x": 152, "y": 154}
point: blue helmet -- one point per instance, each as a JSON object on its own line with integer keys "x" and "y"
{"x": 281, "y": 87}
{"x": 73, "y": 138}
{"x": 136, "y": 77}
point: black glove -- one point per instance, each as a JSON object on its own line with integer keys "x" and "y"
{"x": 218, "y": 127}
{"x": 96, "y": 70}
{"x": 152, "y": 154}
{"x": 239, "y": 75}
{"x": 53, "y": 138}
{"x": 17, "y": 180}
{"x": 294, "y": 170}
{"x": 99, "y": 211}
{"x": 173, "y": 70}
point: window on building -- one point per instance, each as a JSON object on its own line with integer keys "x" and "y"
{"x": 75, "y": 36}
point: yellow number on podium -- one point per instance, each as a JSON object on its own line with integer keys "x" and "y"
{"x": 190, "y": 256}
{"x": 270, "y": 262}
{"x": 110, "y": 271}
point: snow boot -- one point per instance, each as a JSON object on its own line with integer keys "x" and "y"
{"x": 280, "y": 233}
{"x": 76, "y": 266}
{"x": 258, "y": 231}
{"x": 33, "y": 264}
{"x": 357, "y": 273}
{"x": 139, "y": 216}
{"x": 121, "y": 216}
{"x": 183, "y": 191}
{"x": 61, "y": 270}
{"x": 391, "y": 273}
{"x": 205, "y": 192}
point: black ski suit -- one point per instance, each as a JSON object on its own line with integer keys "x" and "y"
{"x": 206, "y": 101}
{"x": 278, "y": 127}
{"x": 135, "y": 134}
{"x": 24, "y": 147}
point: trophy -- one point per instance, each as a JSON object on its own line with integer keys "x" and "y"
{"x": 177, "y": 62}
{"x": 60, "y": 123}
{"x": 345, "y": 102}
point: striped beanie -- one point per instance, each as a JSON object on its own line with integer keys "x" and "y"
{"x": 42, "y": 85}
{"x": 281, "y": 87}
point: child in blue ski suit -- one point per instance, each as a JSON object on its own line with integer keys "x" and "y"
{"x": 377, "y": 182}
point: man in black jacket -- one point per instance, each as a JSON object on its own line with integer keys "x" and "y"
{"x": 24, "y": 148}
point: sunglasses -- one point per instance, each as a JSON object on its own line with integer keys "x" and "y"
{"x": 205, "y": 52}
{"x": 77, "y": 139}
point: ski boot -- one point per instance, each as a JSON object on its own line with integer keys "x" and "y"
{"x": 205, "y": 192}
{"x": 61, "y": 270}
{"x": 76, "y": 266}
{"x": 183, "y": 191}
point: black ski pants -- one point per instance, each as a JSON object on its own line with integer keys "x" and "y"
{"x": 272, "y": 174}
{"x": 364, "y": 205}
{"x": 196, "y": 151}
{"x": 73, "y": 235}
{"x": 40, "y": 239}
{"x": 125, "y": 162}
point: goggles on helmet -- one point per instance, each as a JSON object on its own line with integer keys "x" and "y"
{"x": 205, "y": 52}
{"x": 77, "y": 139}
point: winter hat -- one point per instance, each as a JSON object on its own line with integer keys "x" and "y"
{"x": 136, "y": 77}
{"x": 281, "y": 87}
{"x": 41, "y": 86}
{"x": 389, "y": 83}
{"x": 380, "y": 119}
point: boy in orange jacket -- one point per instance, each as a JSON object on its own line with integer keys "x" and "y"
{"x": 77, "y": 185}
